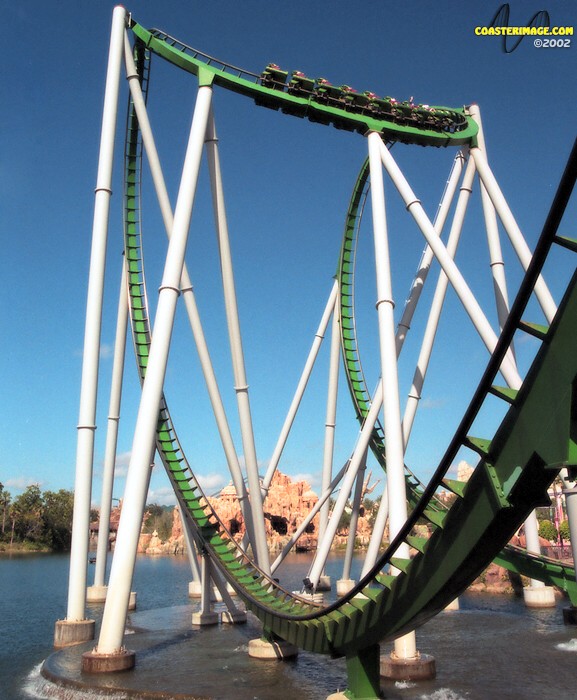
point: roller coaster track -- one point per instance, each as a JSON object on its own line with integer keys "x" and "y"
{"x": 318, "y": 100}
{"x": 535, "y": 440}
{"x": 513, "y": 558}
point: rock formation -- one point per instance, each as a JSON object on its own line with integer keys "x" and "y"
{"x": 285, "y": 507}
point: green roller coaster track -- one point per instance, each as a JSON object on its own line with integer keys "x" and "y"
{"x": 318, "y": 101}
{"x": 537, "y": 437}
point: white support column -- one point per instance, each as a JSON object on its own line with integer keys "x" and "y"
{"x": 427, "y": 258}
{"x": 349, "y": 552}
{"x": 376, "y": 541}
{"x": 325, "y": 495}
{"x": 187, "y": 290}
{"x": 330, "y": 425}
{"x": 97, "y": 592}
{"x": 437, "y": 305}
{"x": 537, "y": 594}
{"x": 493, "y": 240}
{"x": 240, "y": 379}
{"x": 463, "y": 291}
{"x": 89, "y": 385}
{"x": 206, "y": 615}
{"x": 305, "y": 376}
{"x": 521, "y": 248}
{"x": 190, "y": 546}
{"x": 324, "y": 546}
{"x": 405, "y": 646}
{"x": 112, "y": 630}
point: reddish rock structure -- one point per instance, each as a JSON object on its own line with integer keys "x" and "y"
{"x": 285, "y": 507}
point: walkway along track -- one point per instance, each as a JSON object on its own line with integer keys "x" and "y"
{"x": 535, "y": 440}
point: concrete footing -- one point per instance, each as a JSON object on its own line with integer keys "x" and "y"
{"x": 233, "y": 618}
{"x": 200, "y": 619}
{"x": 279, "y": 650}
{"x": 67, "y": 633}
{"x": 96, "y": 594}
{"x": 454, "y": 605}
{"x": 314, "y": 597}
{"x": 338, "y": 696}
{"x": 195, "y": 591}
{"x": 539, "y": 596}
{"x": 324, "y": 583}
{"x": 420, "y": 668}
{"x": 344, "y": 585}
{"x": 570, "y": 615}
{"x": 122, "y": 660}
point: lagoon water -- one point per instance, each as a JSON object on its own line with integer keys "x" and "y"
{"x": 493, "y": 647}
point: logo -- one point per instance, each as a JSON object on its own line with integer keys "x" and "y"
{"x": 539, "y": 25}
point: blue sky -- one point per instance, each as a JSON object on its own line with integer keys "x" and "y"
{"x": 287, "y": 184}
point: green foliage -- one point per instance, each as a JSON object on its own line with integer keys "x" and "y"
{"x": 158, "y": 518}
{"x": 547, "y": 530}
{"x": 5, "y": 499}
{"x": 345, "y": 521}
{"x": 564, "y": 531}
{"x": 26, "y": 516}
{"x": 57, "y": 516}
{"x": 36, "y": 520}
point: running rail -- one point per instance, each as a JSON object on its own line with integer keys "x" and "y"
{"x": 535, "y": 440}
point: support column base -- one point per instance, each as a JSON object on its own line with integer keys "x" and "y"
{"x": 324, "y": 583}
{"x": 454, "y": 605}
{"x": 344, "y": 585}
{"x": 195, "y": 591}
{"x": 122, "y": 660}
{"x": 419, "y": 668}
{"x": 200, "y": 619}
{"x": 238, "y": 617}
{"x": 96, "y": 594}
{"x": 278, "y": 650}
{"x": 67, "y": 633}
{"x": 315, "y": 597}
{"x": 132, "y": 601}
{"x": 570, "y": 615}
{"x": 539, "y": 596}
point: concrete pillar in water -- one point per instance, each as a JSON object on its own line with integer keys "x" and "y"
{"x": 267, "y": 649}
{"x": 206, "y": 616}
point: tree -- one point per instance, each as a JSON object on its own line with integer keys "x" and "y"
{"x": 564, "y": 531}
{"x": 548, "y": 530}
{"x": 26, "y": 515}
{"x": 159, "y": 518}
{"x": 5, "y": 499}
{"x": 57, "y": 519}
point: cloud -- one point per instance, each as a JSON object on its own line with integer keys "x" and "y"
{"x": 106, "y": 351}
{"x": 121, "y": 464}
{"x": 211, "y": 482}
{"x": 163, "y": 496}
{"x": 311, "y": 479}
{"x": 20, "y": 483}
{"x": 429, "y": 404}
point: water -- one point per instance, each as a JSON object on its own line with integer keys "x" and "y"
{"x": 492, "y": 648}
